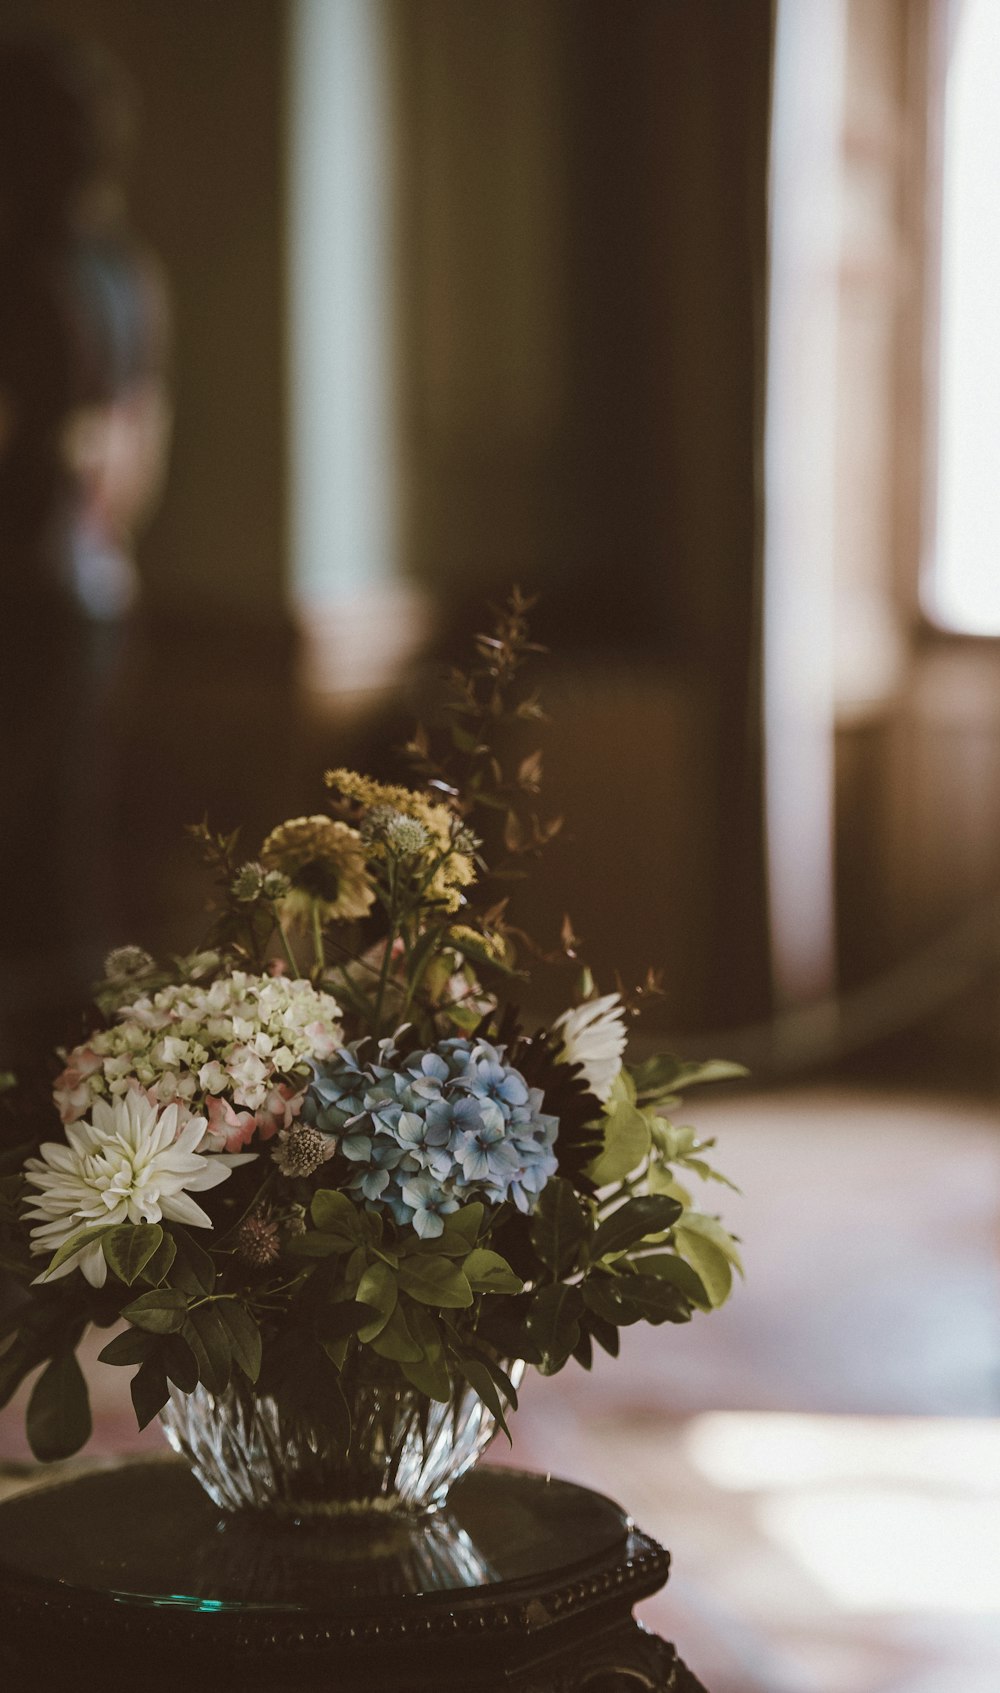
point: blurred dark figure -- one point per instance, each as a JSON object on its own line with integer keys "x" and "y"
{"x": 83, "y": 429}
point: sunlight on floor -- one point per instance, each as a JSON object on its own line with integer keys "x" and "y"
{"x": 886, "y": 1514}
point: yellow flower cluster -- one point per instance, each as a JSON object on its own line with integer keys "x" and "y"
{"x": 454, "y": 868}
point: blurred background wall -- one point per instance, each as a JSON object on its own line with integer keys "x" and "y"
{"x": 463, "y": 294}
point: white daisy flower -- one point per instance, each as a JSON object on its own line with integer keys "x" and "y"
{"x": 129, "y": 1164}
{"x": 594, "y": 1036}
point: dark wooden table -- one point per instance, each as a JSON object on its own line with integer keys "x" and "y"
{"x": 127, "y": 1577}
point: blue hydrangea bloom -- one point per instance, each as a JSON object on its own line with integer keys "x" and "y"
{"x": 430, "y": 1130}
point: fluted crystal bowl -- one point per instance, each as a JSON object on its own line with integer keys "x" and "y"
{"x": 252, "y": 1454}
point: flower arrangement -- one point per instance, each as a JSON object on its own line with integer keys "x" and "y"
{"x": 328, "y": 1143}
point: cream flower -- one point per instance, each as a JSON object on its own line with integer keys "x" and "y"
{"x": 129, "y": 1164}
{"x": 594, "y": 1036}
{"x": 324, "y": 861}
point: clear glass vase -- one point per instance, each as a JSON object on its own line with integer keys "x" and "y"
{"x": 250, "y": 1453}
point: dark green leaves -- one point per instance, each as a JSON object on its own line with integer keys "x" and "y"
{"x": 632, "y": 1299}
{"x": 554, "y": 1325}
{"x": 161, "y": 1311}
{"x": 434, "y": 1281}
{"x": 634, "y": 1221}
{"x": 559, "y": 1226}
{"x": 149, "y": 1391}
{"x": 193, "y": 1269}
{"x": 479, "y": 1378}
{"x": 337, "y": 1217}
{"x": 132, "y": 1347}
{"x": 244, "y": 1336}
{"x": 209, "y": 1340}
{"x": 59, "y": 1410}
{"x": 128, "y": 1249}
{"x": 487, "y": 1272}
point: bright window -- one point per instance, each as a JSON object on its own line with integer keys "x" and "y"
{"x": 963, "y": 587}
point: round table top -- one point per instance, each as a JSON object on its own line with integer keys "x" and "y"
{"x": 145, "y": 1533}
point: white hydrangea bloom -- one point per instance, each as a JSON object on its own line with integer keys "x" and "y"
{"x": 594, "y": 1036}
{"x": 130, "y": 1164}
{"x": 235, "y": 1038}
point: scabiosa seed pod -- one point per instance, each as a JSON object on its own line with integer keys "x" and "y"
{"x": 248, "y": 882}
{"x": 258, "y": 1240}
{"x": 300, "y": 1150}
{"x": 125, "y": 963}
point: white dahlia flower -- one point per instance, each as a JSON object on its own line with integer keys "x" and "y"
{"x": 129, "y": 1164}
{"x": 594, "y": 1036}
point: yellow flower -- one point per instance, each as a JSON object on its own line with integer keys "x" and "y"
{"x": 324, "y": 861}
{"x": 454, "y": 869}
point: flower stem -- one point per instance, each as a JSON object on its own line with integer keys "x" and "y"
{"x": 288, "y": 948}
{"x": 318, "y": 940}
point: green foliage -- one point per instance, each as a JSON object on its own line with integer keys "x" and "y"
{"x": 487, "y": 1272}
{"x": 58, "y": 1422}
{"x": 554, "y": 1325}
{"x": 83, "y": 1237}
{"x": 636, "y": 1220}
{"x": 558, "y": 1226}
{"x": 210, "y": 1341}
{"x": 133, "y": 1346}
{"x": 193, "y": 1269}
{"x": 337, "y": 1217}
{"x": 627, "y": 1135}
{"x": 149, "y": 1391}
{"x": 244, "y": 1336}
{"x": 161, "y": 1311}
{"x": 128, "y": 1249}
{"x": 434, "y": 1280}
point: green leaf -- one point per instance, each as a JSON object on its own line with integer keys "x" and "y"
{"x": 337, "y": 1216}
{"x": 58, "y": 1421}
{"x": 161, "y": 1311}
{"x": 83, "y": 1237}
{"x": 434, "y": 1281}
{"x": 583, "y": 1351}
{"x": 479, "y": 1378}
{"x": 429, "y": 1374}
{"x": 132, "y": 1347}
{"x": 396, "y": 1341}
{"x": 554, "y": 1325}
{"x": 128, "y": 1249}
{"x": 603, "y": 1331}
{"x": 159, "y": 1266}
{"x": 713, "y": 1267}
{"x": 17, "y": 1362}
{"x": 487, "y": 1272}
{"x": 694, "y": 1222}
{"x": 626, "y": 1143}
{"x": 209, "y": 1340}
{"x": 338, "y": 1322}
{"x": 180, "y": 1363}
{"x": 378, "y": 1288}
{"x": 244, "y": 1336}
{"x": 678, "y": 1273}
{"x": 667, "y": 1075}
{"x": 193, "y": 1269}
{"x": 312, "y": 1244}
{"x": 336, "y": 1350}
{"x": 661, "y": 1179}
{"x": 635, "y": 1220}
{"x": 633, "y": 1299}
{"x": 558, "y": 1226}
{"x": 460, "y": 1233}
{"x": 149, "y": 1391}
